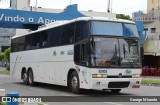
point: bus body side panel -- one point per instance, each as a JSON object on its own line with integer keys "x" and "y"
{"x": 49, "y": 65}
{"x": 15, "y": 65}
{"x": 84, "y": 77}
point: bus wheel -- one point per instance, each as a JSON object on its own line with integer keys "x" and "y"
{"x": 30, "y": 77}
{"x": 25, "y": 78}
{"x": 74, "y": 83}
{"x": 115, "y": 90}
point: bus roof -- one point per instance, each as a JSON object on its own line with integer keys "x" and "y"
{"x": 63, "y": 22}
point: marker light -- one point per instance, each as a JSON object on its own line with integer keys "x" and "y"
{"x": 136, "y": 75}
{"x": 99, "y": 75}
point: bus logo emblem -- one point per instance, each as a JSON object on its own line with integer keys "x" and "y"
{"x": 128, "y": 72}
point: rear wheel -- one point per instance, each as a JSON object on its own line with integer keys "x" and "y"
{"x": 25, "y": 78}
{"x": 74, "y": 83}
{"x": 115, "y": 90}
{"x": 30, "y": 77}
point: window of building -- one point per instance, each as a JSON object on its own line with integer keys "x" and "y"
{"x": 153, "y": 30}
{"x": 145, "y": 29}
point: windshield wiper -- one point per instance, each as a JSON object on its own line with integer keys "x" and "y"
{"x": 128, "y": 55}
{"x": 114, "y": 57}
{"x": 129, "y": 58}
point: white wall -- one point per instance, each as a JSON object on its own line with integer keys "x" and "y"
{"x": 154, "y": 24}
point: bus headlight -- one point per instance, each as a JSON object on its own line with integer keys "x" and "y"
{"x": 136, "y": 75}
{"x": 99, "y": 75}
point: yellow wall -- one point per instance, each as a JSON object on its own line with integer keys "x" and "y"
{"x": 152, "y": 4}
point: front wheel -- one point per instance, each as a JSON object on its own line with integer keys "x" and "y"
{"x": 115, "y": 90}
{"x": 74, "y": 83}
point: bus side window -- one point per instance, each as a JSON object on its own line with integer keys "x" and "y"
{"x": 35, "y": 40}
{"x": 84, "y": 54}
{"x": 44, "y": 38}
{"x": 81, "y": 54}
{"x": 38, "y": 45}
{"x": 68, "y": 34}
{"x": 44, "y": 43}
{"x": 81, "y": 31}
{"x": 77, "y": 53}
{"x": 28, "y": 47}
{"x": 28, "y": 41}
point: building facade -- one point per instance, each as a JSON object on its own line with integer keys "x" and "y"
{"x": 150, "y": 18}
{"x": 151, "y": 44}
{"x": 153, "y": 4}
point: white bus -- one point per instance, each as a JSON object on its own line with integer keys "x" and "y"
{"x": 84, "y": 53}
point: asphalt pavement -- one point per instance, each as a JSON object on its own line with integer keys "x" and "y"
{"x": 11, "y": 84}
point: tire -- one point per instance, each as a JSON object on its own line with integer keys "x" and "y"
{"x": 30, "y": 78}
{"x": 25, "y": 78}
{"x": 74, "y": 83}
{"x": 115, "y": 90}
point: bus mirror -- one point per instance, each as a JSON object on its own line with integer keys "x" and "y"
{"x": 142, "y": 52}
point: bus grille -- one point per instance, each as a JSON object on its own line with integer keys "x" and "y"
{"x": 118, "y": 84}
{"x": 118, "y": 76}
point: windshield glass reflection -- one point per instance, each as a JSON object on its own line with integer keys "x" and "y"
{"x": 114, "y": 52}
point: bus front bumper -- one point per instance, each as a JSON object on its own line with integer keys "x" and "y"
{"x": 114, "y": 83}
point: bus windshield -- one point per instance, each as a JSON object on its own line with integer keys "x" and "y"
{"x": 114, "y": 52}
{"x": 120, "y": 29}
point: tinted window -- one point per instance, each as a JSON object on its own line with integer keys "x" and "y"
{"x": 68, "y": 33}
{"x": 82, "y": 30}
{"x": 35, "y": 41}
{"x": 54, "y": 36}
{"x": 17, "y": 44}
{"x": 81, "y": 55}
{"x": 44, "y": 38}
{"x": 77, "y": 53}
{"x": 28, "y": 41}
{"x": 14, "y": 45}
{"x": 21, "y": 42}
{"x": 113, "y": 28}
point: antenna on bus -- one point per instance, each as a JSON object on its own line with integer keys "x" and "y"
{"x": 111, "y": 5}
{"x": 109, "y": 10}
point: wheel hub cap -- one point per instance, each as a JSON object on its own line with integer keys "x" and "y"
{"x": 74, "y": 82}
